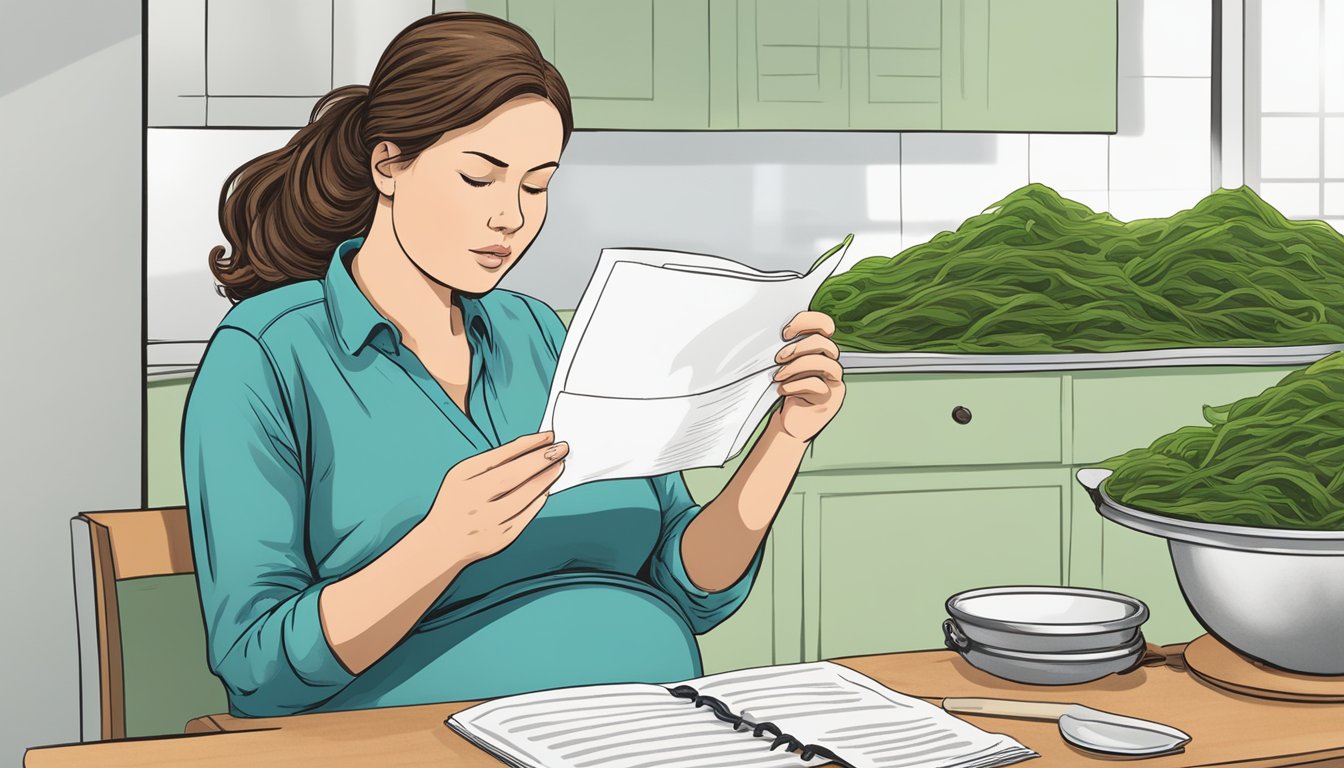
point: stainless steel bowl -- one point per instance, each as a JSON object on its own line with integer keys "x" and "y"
{"x": 1273, "y": 594}
{"x": 1047, "y": 619}
{"x": 1037, "y": 668}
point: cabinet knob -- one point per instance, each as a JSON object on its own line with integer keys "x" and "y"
{"x": 961, "y": 414}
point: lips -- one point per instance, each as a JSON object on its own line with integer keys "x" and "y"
{"x": 492, "y": 256}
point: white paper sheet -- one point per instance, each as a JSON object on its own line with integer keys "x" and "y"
{"x": 669, "y": 360}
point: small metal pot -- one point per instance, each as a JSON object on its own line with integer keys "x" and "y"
{"x": 1047, "y": 619}
{"x": 1044, "y": 668}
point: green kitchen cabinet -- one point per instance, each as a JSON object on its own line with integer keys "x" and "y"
{"x": 928, "y": 65}
{"x": 1115, "y": 411}
{"x": 895, "y": 56}
{"x": 1029, "y": 65}
{"x": 883, "y": 552}
{"x": 838, "y": 64}
{"x": 792, "y": 64}
{"x": 629, "y": 64}
{"x": 896, "y": 420}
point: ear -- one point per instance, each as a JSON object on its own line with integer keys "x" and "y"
{"x": 383, "y": 167}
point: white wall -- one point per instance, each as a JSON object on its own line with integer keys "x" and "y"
{"x": 775, "y": 200}
{"x": 70, "y": 382}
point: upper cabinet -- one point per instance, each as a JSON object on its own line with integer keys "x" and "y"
{"x": 1029, "y": 65}
{"x": 895, "y": 65}
{"x": 627, "y": 63}
{"x": 926, "y": 65}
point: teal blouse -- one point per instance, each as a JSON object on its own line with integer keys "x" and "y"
{"x": 313, "y": 440}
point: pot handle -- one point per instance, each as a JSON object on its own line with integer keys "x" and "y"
{"x": 953, "y": 637}
{"x": 1091, "y": 479}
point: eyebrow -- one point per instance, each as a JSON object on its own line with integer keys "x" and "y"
{"x": 501, "y": 164}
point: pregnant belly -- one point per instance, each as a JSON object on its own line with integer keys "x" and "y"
{"x": 547, "y": 637}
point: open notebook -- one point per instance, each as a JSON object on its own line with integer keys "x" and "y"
{"x": 789, "y": 715}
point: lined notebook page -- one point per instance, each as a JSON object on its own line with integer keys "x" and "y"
{"x": 859, "y": 719}
{"x": 613, "y": 726}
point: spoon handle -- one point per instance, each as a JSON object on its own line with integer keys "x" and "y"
{"x": 1026, "y": 710}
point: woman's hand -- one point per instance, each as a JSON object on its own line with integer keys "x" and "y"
{"x": 483, "y": 503}
{"x": 486, "y": 500}
{"x": 811, "y": 379}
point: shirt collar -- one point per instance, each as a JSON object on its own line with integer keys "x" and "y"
{"x": 358, "y": 323}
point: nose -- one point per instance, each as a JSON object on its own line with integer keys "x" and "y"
{"x": 510, "y": 217}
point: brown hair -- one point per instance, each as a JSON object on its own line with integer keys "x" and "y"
{"x": 285, "y": 212}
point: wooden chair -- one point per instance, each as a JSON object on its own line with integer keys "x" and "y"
{"x": 142, "y": 657}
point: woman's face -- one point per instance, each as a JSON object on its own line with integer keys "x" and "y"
{"x": 466, "y": 208}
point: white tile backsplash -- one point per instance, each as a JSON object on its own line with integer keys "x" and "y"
{"x": 1069, "y": 161}
{"x": 1176, "y": 39}
{"x": 186, "y": 169}
{"x": 883, "y": 190}
{"x": 1168, "y": 145}
{"x": 949, "y": 177}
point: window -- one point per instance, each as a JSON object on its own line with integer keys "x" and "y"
{"x": 1295, "y": 106}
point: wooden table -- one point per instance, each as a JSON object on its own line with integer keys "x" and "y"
{"x": 1228, "y": 730}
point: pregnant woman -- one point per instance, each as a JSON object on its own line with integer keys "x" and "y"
{"x": 367, "y": 491}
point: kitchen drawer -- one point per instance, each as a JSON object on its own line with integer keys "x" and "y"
{"x": 906, "y": 420}
{"x": 1114, "y": 411}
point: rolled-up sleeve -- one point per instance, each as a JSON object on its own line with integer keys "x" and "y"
{"x": 704, "y": 610}
{"x": 246, "y": 500}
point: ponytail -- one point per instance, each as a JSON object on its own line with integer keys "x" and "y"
{"x": 285, "y": 212}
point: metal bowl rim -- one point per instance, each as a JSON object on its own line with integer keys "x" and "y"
{"x": 1239, "y": 537}
{"x": 1134, "y": 648}
{"x": 1027, "y": 628}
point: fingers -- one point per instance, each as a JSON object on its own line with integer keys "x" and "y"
{"x": 811, "y": 389}
{"x": 525, "y": 515}
{"x": 511, "y": 476}
{"x": 809, "y": 322}
{"x": 808, "y": 345}
{"x": 811, "y": 365}
{"x": 535, "y": 486}
{"x": 495, "y": 457}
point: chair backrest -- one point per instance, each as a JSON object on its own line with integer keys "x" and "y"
{"x": 142, "y": 662}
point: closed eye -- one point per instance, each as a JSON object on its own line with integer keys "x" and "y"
{"x": 474, "y": 182}
{"x": 533, "y": 190}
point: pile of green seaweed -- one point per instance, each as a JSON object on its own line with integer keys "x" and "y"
{"x": 1275, "y": 460}
{"x": 1038, "y": 273}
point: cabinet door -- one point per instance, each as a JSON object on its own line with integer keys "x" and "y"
{"x": 895, "y": 55}
{"x": 883, "y": 554}
{"x": 1114, "y": 411}
{"x": 1029, "y": 65}
{"x": 627, "y": 63}
{"x": 793, "y": 64}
